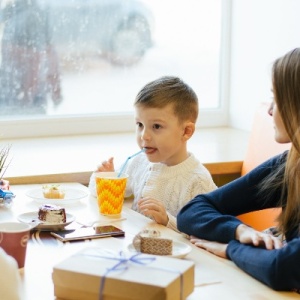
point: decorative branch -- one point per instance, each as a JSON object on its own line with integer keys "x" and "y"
{"x": 4, "y": 153}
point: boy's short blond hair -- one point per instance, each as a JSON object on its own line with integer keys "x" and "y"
{"x": 170, "y": 90}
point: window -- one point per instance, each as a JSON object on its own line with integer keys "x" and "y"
{"x": 73, "y": 66}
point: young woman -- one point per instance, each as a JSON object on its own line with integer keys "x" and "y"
{"x": 210, "y": 219}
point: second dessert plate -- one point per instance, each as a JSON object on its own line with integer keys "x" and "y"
{"x": 71, "y": 196}
{"x": 31, "y": 218}
{"x": 180, "y": 249}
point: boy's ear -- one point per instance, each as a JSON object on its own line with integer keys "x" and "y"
{"x": 189, "y": 130}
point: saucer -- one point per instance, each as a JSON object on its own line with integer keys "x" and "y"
{"x": 32, "y": 218}
{"x": 71, "y": 196}
{"x": 180, "y": 250}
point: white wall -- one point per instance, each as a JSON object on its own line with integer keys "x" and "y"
{"x": 262, "y": 30}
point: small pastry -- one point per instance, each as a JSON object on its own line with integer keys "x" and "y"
{"x": 149, "y": 241}
{"x": 53, "y": 191}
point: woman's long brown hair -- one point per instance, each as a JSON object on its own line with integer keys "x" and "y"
{"x": 286, "y": 88}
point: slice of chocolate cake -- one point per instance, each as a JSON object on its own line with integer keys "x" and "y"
{"x": 157, "y": 246}
{"x": 149, "y": 241}
{"x": 52, "y": 214}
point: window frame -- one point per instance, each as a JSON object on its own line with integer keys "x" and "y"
{"x": 45, "y": 126}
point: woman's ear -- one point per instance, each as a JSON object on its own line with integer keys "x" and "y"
{"x": 189, "y": 130}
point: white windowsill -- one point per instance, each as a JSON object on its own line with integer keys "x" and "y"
{"x": 75, "y": 154}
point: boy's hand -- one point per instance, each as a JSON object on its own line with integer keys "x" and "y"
{"x": 247, "y": 235}
{"x": 106, "y": 166}
{"x": 155, "y": 209}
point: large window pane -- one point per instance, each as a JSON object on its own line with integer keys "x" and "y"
{"x": 68, "y": 57}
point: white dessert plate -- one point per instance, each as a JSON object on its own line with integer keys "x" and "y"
{"x": 180, "y": 249}
{"x": 71, "y": 196}
{"x": 32, "y": 219}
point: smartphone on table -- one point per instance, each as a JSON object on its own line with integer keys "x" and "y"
{"x": 88, "y": 233}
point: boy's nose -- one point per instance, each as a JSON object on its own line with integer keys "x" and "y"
{"x": 145, "y": 135}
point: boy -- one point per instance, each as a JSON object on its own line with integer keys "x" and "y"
{"x": 165, "y": 176}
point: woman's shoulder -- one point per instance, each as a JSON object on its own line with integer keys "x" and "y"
{"x": 274, "y": 161}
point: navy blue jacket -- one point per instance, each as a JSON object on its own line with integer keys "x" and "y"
{"x": 212, "y": 216}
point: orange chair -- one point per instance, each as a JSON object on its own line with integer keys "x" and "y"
{"x": 262, "y": 146}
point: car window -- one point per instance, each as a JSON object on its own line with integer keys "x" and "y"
{"x": 81, "y": 58}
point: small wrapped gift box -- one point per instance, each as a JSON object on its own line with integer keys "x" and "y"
{"x": 94, "y": 274}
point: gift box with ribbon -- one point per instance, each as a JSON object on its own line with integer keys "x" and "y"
{"x": 97, "y": 274}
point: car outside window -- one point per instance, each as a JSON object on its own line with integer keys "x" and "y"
{"x": 81, "y": 63}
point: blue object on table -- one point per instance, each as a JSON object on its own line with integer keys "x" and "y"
{"x": 6, "y": 198}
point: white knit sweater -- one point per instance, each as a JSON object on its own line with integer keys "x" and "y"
{"x": 174, "y": 186}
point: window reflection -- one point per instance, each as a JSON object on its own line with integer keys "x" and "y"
{"x": 61, "y": 57}
{"x": 29, "y": 72}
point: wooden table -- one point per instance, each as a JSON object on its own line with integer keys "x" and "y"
{"x": 215, "y": 278}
